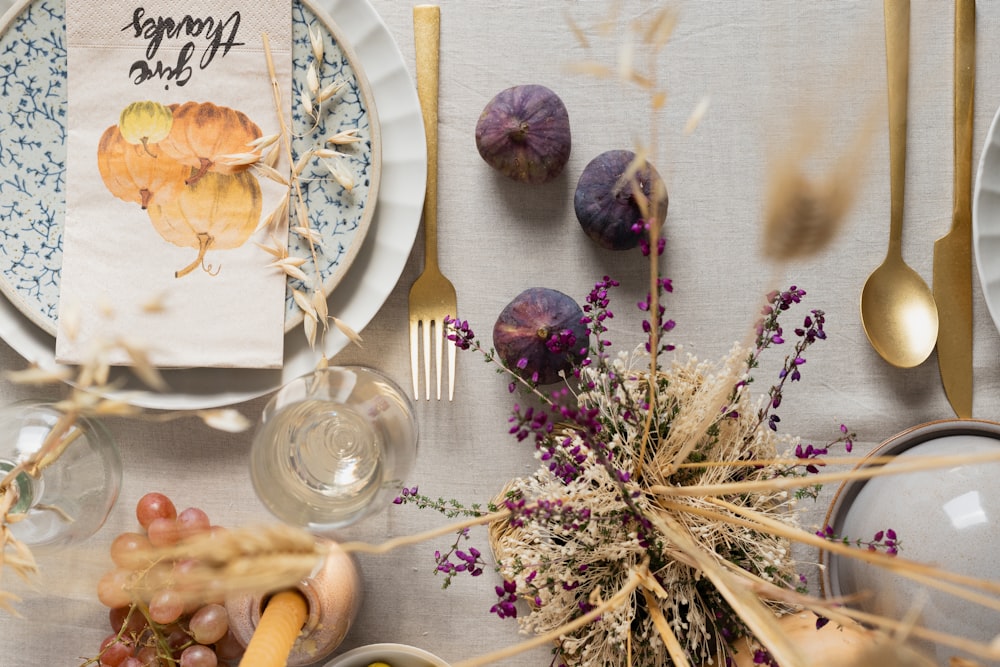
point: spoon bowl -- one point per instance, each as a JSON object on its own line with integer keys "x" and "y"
{"x": 898, "y": 310}
{"x": 899, "y": 314}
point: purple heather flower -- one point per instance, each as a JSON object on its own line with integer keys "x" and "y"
{"x": 459, "y": 332}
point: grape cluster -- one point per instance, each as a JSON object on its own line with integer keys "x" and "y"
{"x": 153, "y": 623}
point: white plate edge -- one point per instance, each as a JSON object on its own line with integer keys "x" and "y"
{"x": 356, "y": 309}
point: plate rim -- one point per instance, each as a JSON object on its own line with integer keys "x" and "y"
{"x": 991, "y": 297}
{"x": 394, "y": 228}
{"x": 375, "y": 178}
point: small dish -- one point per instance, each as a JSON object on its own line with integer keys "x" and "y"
{"x": 394, "y": 655}
{"x": 947, "y": 517}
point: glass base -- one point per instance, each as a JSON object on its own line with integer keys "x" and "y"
{"x": 25, "y": 485}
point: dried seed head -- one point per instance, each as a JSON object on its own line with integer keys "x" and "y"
{"x": 330, "y": 90}
{"x": 227, "y": 419}
{"x": 290, "y": 266}
{"x": 340, "y": 173}
{"x": 316, "y": 41}
{"x": 696, "y": 115}
{"x": 238, "y": 159}
{"x": 309, "y": 235}
{"x": 345, "y": 137}
{"x": 319, "y": 303}
{"x": 303, "y": 302}
{"x": 345, "y": 329}
{"x": 270, "y": 173}
{"x": 271, "y": 156}
{"x": 35, "y": 375}
{"x": 312, "y": 79}
{"x": 264, "y": 141}
{"x": 803, "y": 213}
{"x": 307, "y": 105}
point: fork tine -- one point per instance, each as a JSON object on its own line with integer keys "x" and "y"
{"x": 425, "y": 349}
{"x": 438, "y": 349}
{"x": 415, "y": 356}
{"x": 451, "y": 371}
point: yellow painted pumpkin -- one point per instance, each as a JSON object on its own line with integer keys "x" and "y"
{"x": 131, "y": 173}
{"x": 216, "y": 212}
{"x": 202, "y": 132}
{"x": 145, "y": 123}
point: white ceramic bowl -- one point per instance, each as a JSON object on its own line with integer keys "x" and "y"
{"x": 395, "y": 655}
{"x": 948, "y": 517}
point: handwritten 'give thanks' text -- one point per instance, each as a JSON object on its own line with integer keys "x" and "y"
{"x": 215, "y": 34}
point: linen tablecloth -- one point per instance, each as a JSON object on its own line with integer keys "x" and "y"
{"x": 768, "y": 67}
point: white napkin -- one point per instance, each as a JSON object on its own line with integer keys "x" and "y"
{"x": 191, "y": 78}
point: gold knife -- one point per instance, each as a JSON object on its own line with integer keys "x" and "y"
{"x": 953, "y": 251}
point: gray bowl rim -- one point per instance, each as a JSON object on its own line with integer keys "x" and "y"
{"x": 896, "y": 444}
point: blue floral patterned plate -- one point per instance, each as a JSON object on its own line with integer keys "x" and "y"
{"x": 33, "y": 158}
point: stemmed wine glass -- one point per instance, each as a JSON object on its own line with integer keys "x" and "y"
{"x": 333, "y": 447}
{"x": 68, "y": 499}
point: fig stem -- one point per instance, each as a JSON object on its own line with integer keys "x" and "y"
{"x": 519, "y": 133}
{"x": 204, "y": 241}
{"x": 144, "y": 196}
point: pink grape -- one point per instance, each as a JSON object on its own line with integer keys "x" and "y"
{"x": 131, "y": 550}
{"x": 199, "y": 656}
{"x": 229, "y": 647}
{"x": 132, "y": 661}
{"x": 114, "y": 652}
{"x": 111, "y": 589}
{"x": 147, "y": 657}
{"x": 176, "y": 639}
{"x": 154, "y": 505}
{"x": 209, "y": 624}
{"x": 166, "y": 606}
{"x": 192, "y": 521}
{"x": 134, "y": 624}
{"x": 162, "y": 532}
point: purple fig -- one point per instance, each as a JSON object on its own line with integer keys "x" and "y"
{"x": 606, "y": 203}
{"x": 539, "y": 334}
{"x": 524, "y": 134}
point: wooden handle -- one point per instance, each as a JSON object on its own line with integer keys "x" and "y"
{"x": 279, "y": 627}
{"x": 965, "y": 77}
{"x": 427, "y": 44}
{"x": 897, "y": 52}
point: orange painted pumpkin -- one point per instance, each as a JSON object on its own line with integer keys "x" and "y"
{"x": 131, "y": 173}
{"x": 216, "y": 212}
{"x": 201, "y": 133}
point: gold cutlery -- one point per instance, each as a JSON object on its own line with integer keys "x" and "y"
{"x": 897, "y": 307}
{"x": 953, "y": 251}
{"x": 432, "y": 296}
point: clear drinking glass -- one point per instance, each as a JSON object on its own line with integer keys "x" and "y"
{"x": 332, "y": 447}
{"x": 71, "y": 497}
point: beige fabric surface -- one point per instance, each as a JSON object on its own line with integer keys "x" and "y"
{"x": 767, "y": 67}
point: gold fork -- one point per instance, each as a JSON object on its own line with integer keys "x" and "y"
{"x": 432, "y": 296}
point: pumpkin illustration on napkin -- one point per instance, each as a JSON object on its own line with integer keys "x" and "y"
{"x": 171, "y": 160}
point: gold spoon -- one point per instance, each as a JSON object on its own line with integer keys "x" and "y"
{"x": 897, "y": 307}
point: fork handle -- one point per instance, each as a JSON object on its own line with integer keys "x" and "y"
{"x": 427, "y": 42}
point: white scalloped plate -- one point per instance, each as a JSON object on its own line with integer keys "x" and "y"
{"x": 375, "y": 267}
{"x": 33, "y": 152}
{"x": 986, "y": 220}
